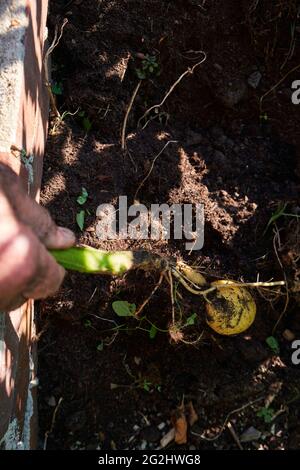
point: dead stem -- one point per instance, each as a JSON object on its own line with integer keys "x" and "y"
{"x": 51, "y": 48}
{"x": 52, "y": 423}
{"x": 152, "y": 166}
{"x": 123, "y": 135}
{"x": 172, "y": 297}
{"x": 287, "y": 299}
{"x": 151, "y": 295}
{"x": 188, "y": 71}
{"x": 237, "y": 410}
{"x": 275, "y": 86}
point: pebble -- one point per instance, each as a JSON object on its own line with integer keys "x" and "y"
{"x": 136, "y": 428}
{"x": 288, "y": 335}
{"x": 254, "y": 79}
{"x": 51, "y": 401}
{"x": 143, "y": 445}
{"x": 251, "y": 434}
{"x": 161, "y": 426}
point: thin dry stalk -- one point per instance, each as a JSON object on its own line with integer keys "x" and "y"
{"x": 188, "y": 71}
{"x": 152, "y": 166}
{"x": 55, "y": 42}
{"x": 123, "y": 135}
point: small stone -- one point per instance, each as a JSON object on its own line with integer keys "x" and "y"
{"x": 288, "y": 335}
{"x": 51, "y": 401}
{"x": 161, "y": 426}
{"x": 136, "y": 428}
{"x": 254, "y": 79}
{"x": 143, "y": 445}
{"x": 137, "y": 360}
{"x": 251, "y": 434}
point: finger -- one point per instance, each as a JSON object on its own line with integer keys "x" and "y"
{"x": 48, "y": 278}
{"x": 30, "y": 213}
{"x": 12, "y": 304}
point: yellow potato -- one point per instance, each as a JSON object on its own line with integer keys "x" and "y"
{"x": 191, "y": 274}
{"x": 232, "y": 309}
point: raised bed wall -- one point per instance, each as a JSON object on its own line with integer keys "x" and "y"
{"x": 23, "y": 126}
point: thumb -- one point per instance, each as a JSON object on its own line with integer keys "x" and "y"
{"x": 39, "y": 220}
{"x": 30, "y": 213}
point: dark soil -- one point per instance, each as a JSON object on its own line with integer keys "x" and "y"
{"x": 234, "y": 155}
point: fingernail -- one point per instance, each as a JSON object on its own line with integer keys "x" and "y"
{"x": 65, "y": 237}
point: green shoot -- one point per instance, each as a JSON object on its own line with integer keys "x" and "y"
{"x": 266, "y": 414}
{"x": 273, "y": 344}
{"x": 150, "y": 67}
{"x": 83, "y": 197}
{"x": 57, "y": 88}
{"x": 123, "y": 308}
{"x": 80, "y": 217}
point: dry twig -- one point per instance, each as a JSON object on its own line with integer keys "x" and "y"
{"x": 188, "y": 71}
{"x": 123, "y": 135}
{"x": 152, "y": 166}
{"x": 55, "y": 42}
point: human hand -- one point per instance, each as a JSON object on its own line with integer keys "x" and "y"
{"x": 27, "y": 230}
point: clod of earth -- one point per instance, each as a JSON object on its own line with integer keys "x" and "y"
{"x": 230, "y": 307}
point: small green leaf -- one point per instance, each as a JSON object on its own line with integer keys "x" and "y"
{"x": 141, "y": 75}
{"x": 123, "y": 308}
{"x": 80, "y": 216}
{"x": 147, "y": 385}
{"x": 191, "y": 319}
{"x": 57, "y": 88}
{"x": 276, "y": 215}
{"x": 153, "y": 332}
{"x": 87, "y": 323}
{"x": 273, "y": 344}
{"x": 83, "y": 197}
{"x": 100, "y": 346}
{"x": 266, "y": 414}
{"x": 86, "y": 124}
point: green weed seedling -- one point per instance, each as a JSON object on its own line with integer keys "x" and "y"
{"x": 266, "y": 414}
{"x": 150, "y": 67}
{"x": 85, "y": 121}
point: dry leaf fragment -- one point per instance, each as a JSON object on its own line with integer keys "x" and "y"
{"x": 180, "y": 425}
{"x": 181, "y": 430}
